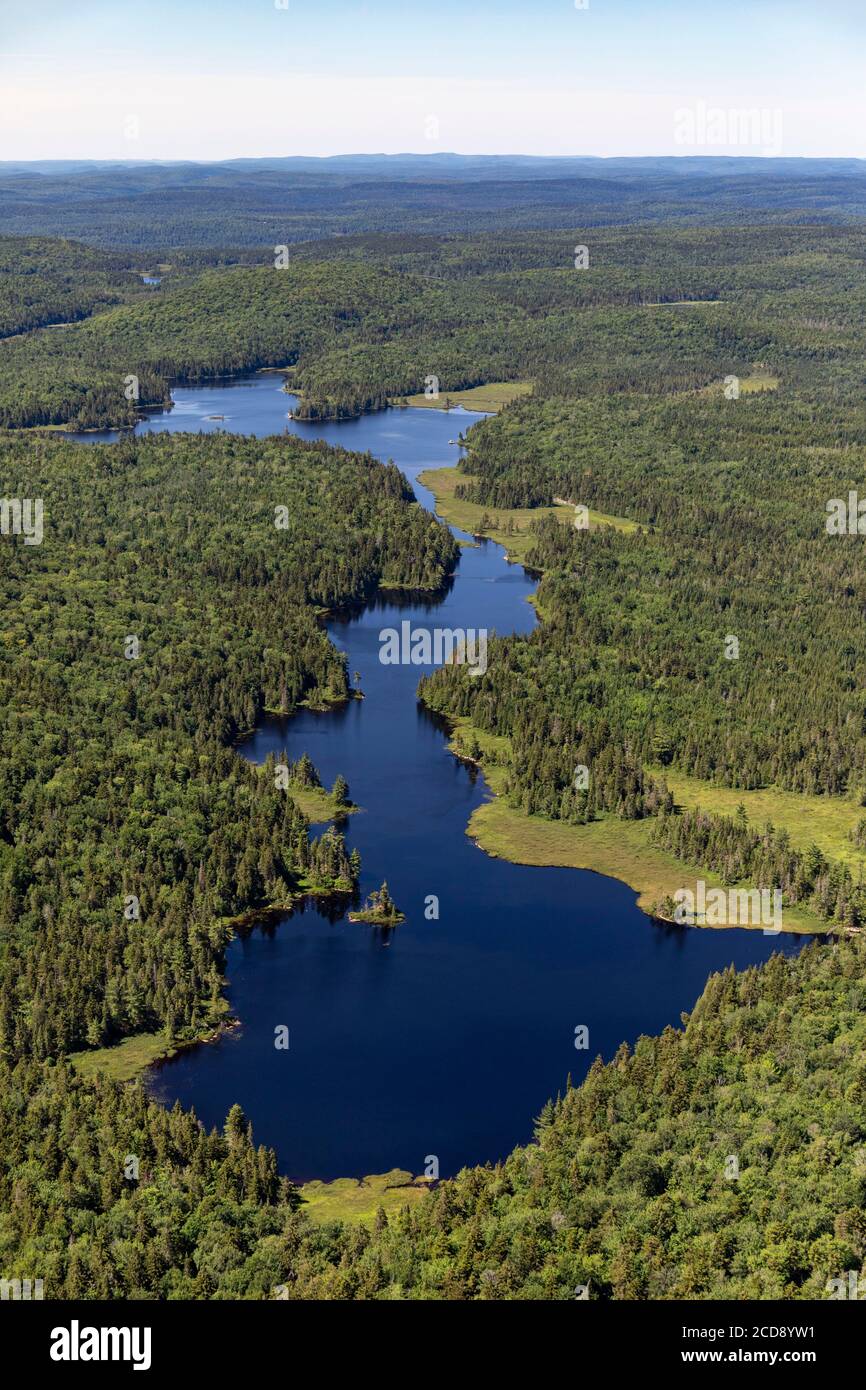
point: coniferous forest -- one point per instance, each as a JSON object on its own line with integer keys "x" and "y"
{"x": 132, "y": 833}
{"x": 673, "y": 447}
{"x": 174, "y": 608}
{"x": 622, "y": 1189}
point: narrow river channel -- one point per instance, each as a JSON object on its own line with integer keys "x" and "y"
{"x": 444, "y": 1037}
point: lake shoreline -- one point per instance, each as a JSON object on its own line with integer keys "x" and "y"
{"x": 361, "y": 1091}
{"x": 505, "y": 833}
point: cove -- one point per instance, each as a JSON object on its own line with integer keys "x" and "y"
{"x": 443, "y": 1037}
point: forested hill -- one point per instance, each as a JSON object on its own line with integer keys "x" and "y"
{"x": 248, "y": 202}
{"x": 231, "y": 320}
{"x": 362, "y": 321}
{"x": 43, "y": 281}
{"x": 174, "y": 596}
{"x": 723, "y": 1160}
{"x": 706, "y": 627}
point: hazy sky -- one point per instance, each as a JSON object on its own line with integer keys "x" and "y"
{"x": 210, "y": 79}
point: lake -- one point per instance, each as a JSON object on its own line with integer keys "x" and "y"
{"x": 443, "y": 1037}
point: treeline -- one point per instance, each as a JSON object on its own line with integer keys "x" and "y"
{"x": 627, "y": 1191}
{"x": 764, "y": 858}
{"x": 174, "y": 597}
{"x": 566, "y": 766}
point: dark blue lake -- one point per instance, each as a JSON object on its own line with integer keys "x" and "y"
{"x": 443, "y": 1037}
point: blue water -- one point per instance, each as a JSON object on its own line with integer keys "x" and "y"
{"x": 443, "y": 1037}
{"x": 257, "y": 405}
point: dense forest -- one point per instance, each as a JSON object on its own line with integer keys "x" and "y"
{"x": 57, "y": 282}
{"x": 633, "y": 668}
{"x": 720, "y": 1160}
{"x": 178, "y": 594}
{"x": 174, "y": 597}
{"x": 231, "y": 320}
{"x": 730, "y": 496}
{"x": 248, "y": 202}
{"x": 726, "y": 498}
{"x": 369, "y": 321}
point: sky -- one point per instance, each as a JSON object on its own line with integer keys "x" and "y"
{"x": 218, "y": 79}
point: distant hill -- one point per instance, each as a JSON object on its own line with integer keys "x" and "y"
{"x": 462, "y": 166}
{"x": 256, "y": 202}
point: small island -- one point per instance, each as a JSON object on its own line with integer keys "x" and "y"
{"x": 379, "y": 909}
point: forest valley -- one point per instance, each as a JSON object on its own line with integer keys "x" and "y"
{"x": 120, "y": 777}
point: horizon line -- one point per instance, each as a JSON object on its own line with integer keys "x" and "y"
{"x": 444, "y": 154}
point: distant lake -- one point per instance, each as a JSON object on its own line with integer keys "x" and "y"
{"x": 444, "y": 1037}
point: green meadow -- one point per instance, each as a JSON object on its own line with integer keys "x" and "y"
{"x": 489, "y": 398}
{"x": 617, "y": 848}
{"x": 358, "y": 1199}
